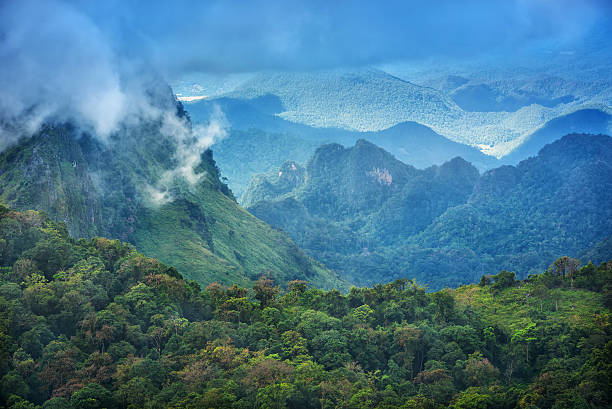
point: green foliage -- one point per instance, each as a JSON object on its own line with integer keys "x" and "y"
{"x": 103, "y": 326}
{"x": 373, "y": 218}
{"x": 106, "y": 190}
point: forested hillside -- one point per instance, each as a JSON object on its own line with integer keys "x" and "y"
{"x": 151, "y": 185}
{"x": 95, "y": 324}
{"x": 374, "y": 218}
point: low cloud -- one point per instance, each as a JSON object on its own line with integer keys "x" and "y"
{"x": 192, "y": 142}
{"x": 60, "y": 64}
{"x": 56, "y": 64}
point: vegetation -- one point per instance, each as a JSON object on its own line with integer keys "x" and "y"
{"x": 95, "y": 324}
{"x": 244, "y": 154}
{"x": 102, "y": 189}
{"x": 374, "y": 219}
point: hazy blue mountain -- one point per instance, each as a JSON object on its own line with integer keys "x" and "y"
{"x": 558, "y": 202}
{"x": 484, "y": 107}
{"x": 592, "y": 121}
{"x": 259, "y": 141}
{"x": 421, "y": 147}
{"x": 351, "y": 207}
{"x": 373, "y": 218}
{"x": 244, "y": 154}
{"x": 483, "y": 98}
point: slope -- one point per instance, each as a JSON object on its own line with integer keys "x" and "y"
{"x": 375, "y": 219}
{"x": 109, "y": 189}
{"x": 352, "y": 207}
{"x": 95, "y": 324}
{"x": 558, "y": 202}
{"x": 260, "y": 141}
{"x": 592, "y": 121}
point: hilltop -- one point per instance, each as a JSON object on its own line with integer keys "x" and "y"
{"x": 374, "y": 218}
{"x": 130, "y": 188}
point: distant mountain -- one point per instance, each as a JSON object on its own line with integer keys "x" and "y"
{"x": 592, "y": 121}
{"x": 557, "y": 202}
{"x": 421, "y": 147}
{"x": 373, "y": 218}
{"x": 260, "y": 141}
{"x": 244, "y": 154}
{"x": 422, "y": 120}
{"x": 484, "y": 98}
{"x": 350, "y": 206}
{"x": 487, "y": 110}
{"x": 104, "y": 189}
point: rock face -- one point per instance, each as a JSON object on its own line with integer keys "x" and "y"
{"x": 105, "y": 189}
{"x": 374, "y": 218}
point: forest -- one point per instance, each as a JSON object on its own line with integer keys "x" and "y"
{"x": 92, "y": 323}
{"x": 374, "y": 218}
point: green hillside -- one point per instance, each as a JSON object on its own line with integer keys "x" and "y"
{"x": 95, "y": 324}
{"x": 104, "y": 189}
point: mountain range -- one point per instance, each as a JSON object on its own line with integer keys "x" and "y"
{"x": 373, "y": 218}
{"x": 421, "y": 118}
{"x": 111, "y": 189}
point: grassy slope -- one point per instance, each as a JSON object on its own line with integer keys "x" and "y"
{"x": 513, "y": 308}
{"x": 243, "y": 247}
{"x": 204, "y": 232}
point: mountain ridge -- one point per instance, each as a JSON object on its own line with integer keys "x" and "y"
{"x": 466, "y": 221}
{"x": 104, "y": 189}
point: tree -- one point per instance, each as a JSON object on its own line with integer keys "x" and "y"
{"x": 294, "y": 345}
{"x": 503, "y": 279}
{"x": 567, "y": 267}
{"x": 364, "y": 314}
{"x": 541, "y": 291}
{"x": 136, "y": 392}
{"x": 525, "y": 336}
{"x": 479, "y": 371}
{"x": 265, "y": 291}
{"x": 471, "y": 398}
{"x": 92, "y": 396}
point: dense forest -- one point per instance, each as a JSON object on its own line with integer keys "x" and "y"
{"x": 374, "y": 218}
{"x": 92, "y": 323}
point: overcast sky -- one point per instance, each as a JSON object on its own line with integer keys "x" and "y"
{"x": 230, "y": 36}
{"x": 87, "y": 59}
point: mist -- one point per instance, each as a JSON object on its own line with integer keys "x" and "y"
{"x": 93, "y": 63}
{"x": 59, "y": 65}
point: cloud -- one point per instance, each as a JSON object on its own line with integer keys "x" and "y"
{"x": 92, "y": 62}
{"x": 238, "y": 36}
{"x": 192, "y": 142}
{"x": 61, "y": 64}
{"x": 56, "y": 63}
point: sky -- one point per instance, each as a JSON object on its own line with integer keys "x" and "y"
{"x": 92, "y": 61}
{"x": 242, "y": 36}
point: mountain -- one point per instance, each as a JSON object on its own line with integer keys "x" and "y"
{"x": 421, "y": 147}
{"x": 423, "y": 122}
{"x": 483, "y": 98}
{"x": 259, "y": 141}
{"x": 95, "y": 324}
{"x": 490, "y": 109}
{"x": 111, "y": 189}
{"x": 557, "y": 202}
{"x": 592, "y": 121}
{"x": 373, "y": 218}
{"x": 351, "y": 205}
{"x": 244, "y": 154}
